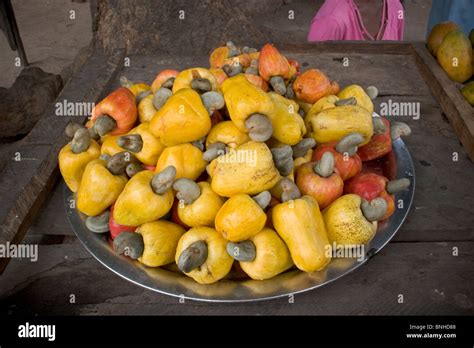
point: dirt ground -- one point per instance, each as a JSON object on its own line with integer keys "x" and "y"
{"x": 52, "y": 39}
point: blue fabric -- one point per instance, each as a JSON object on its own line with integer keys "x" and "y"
{"x": 460, "y": 12}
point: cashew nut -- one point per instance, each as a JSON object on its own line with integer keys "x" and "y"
{"x": 283, "y": 159}
{"x": 244, "y": 251}
{"x": 71, "y": 129}
{"x": 104, "y": 124}
{"x": 259, "y": 126}
{"x": 278, "y": 84}
{"x": 99, "y": 223}
{"x": 349, "y": 144}
{"x": 81, "y": 141}
{"x": 213, "y": 151}
{"x": 394, "y": 186}
{"x": 289, "y": 190}
{"x": 325, "y": 166}
{"x": 187, "y": 191}
{"x": 201, "y": 85}
{"x": 212, "y": 101}
{"x": 263, "y": 199}
{"x": 372, "y": 92}
{"x": 348, "y": 101}
{"x": 193, "y": 256}
{"x": 162, "y": 181}
{"x": 379, "y": 125}
{"x": 129, "y": 244}
{"x": 131, "y": 142}
{"x": 133, "y": 168}
{"x": 399, "y": 129}
{"x": 300, "y": 149}
{"x": 375, "y": 209}
{"x": 160, "y": 97}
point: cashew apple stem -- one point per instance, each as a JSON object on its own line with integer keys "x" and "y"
{"x": 283, "y": 159}
{"x": 394, "y": 186}
{"x": 162, "y": 182}
{"x": 263, "y": 199}
{"x": 187, "y": 190}
{"x": 131, "y": 142}
{"x": 300, "y": 149}
{"x": 242, "y": 251}
{"x": 213, "y": 151}
{"x": 99, "y": 223}
{"x": 259, "y": 126}
{"x": 325, "y": 166}
{"x": 104, "y": 124}
{"x": 375, "y": 209}
{"x": 399, "y": 129}
{"x": 349, "y": 144}
{"x": 278, "y": 84}
{"x": 81, "y": 141}
{"x": 193, "y": 256}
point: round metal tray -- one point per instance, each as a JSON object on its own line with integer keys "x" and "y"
{"x": 398, "y": 164}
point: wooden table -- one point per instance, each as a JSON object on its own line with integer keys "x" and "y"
{"x": 426, "y": 269}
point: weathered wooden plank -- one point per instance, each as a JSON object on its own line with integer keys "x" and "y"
{"x": 52, "y": 218}
{"x": 456, "y": 108}
{"x": 434, "y": 282}
{"x": 18, "y": 212}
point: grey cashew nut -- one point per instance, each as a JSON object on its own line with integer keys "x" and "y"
{"x": 278, "y": 84}
{"x": 300, "y": 149}
{"x": 399, "y": 129}
{"x": 348, "y": 101}
{"x": 213, "y": 151}
{"x": 131, "y": 142}
{"x": 71, "y": 129}
{"x": 160, "y": 97}
{"x": 233, "y": 50}
{"x": 349, "y": 144}
{"x": 99, "y": 223}
{"x": 212, "y": 101}
{"x": 187, "y": 191}
{"x": 193, "y": 256}
{"x": 162, "y": 181}
{"x": 199, "y": 143}
{"x": 283, "y": 159}
{"x": 117, "y": 163}
{"x": 81, "y": 141}
{"x": 259, "y": 127}
{"x": 263, "y": 199}
{"x": 244, "y": 251}
{"x": 290, "y": 93}
{"x": 289, "y": 190}
{"x": 379, "y": 125}
{"x": 375, "y": 209}
{"x": 168, "y": 83}
{"x": 129, "y": 244}
{"x": 232, "y": 69}
{"x": 394, "y": 186}
{"x": 125, "y": 82}
{"x": 104, "y": 124}
{"x": 201, "y": 85}
{"x": 142, "y": 95}
{"x": 325, "y": 166}
{"x": 133, "y": 168}
{"x": 372, "y": 92}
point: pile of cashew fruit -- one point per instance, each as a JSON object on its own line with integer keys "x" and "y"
{"x": 249, "y": 167}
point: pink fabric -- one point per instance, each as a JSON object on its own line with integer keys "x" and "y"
{"x": 341, "y": 20}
